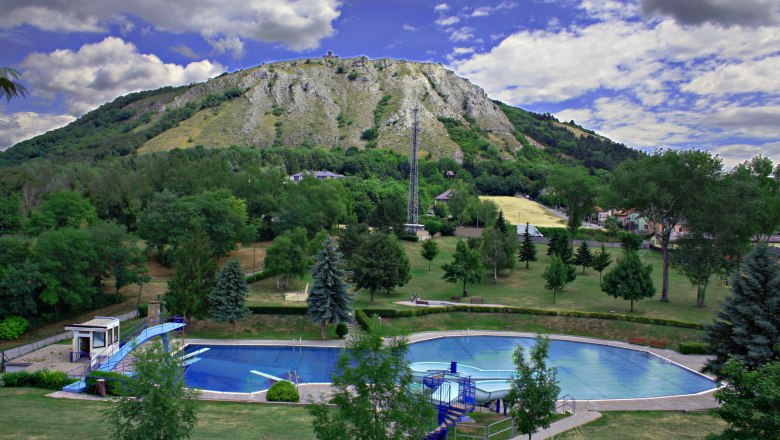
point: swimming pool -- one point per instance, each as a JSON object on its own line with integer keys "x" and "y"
{"x": 585, "y": 371}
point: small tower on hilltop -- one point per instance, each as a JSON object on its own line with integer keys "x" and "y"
{"x": 413, "y": 208}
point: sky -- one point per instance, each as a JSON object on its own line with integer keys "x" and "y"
{"x": 648, "y": 73}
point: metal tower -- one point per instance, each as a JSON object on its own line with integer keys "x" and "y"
{"x": 412, "y": 217}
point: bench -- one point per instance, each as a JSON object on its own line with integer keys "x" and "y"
{"x": 655, "y": 343}
{"x": 658, "y": 344}
{"x": 639, "y": 341}
{"x": 421, "y": 302}
{"x": 455, "y": 298}
{"x": 477, "y": 300}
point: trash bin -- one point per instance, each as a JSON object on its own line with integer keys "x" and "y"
{"x": 101, "y": 387}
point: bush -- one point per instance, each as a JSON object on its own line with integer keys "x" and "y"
{"x": 278, "y": 310}
{"x": 283, "y": 391}
{"x": 258, "y": 276}
{"x": 342, "y": 330}
{"x": 50, "y": 380}
{"x": 353, "y": 75}
{"x": 143, "y": 310}
{"x": 13, "y": 327}
{"x": 405, "y": 236}
{"x": 114, "y": 382}
{"x": 694, "y": 348}
{"x": 362, "y": 319}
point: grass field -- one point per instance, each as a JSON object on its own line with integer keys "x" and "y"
{"x": 647, "y": 425}
{"x": 525, "y": 288}
{"x": 519, "y": 211}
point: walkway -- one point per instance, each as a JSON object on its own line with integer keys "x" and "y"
{"x": 579, "y": 419}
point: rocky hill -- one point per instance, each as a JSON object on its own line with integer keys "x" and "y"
{"x": 324, "y": 101}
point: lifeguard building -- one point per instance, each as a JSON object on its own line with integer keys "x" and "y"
{"x": 95, "y": 339}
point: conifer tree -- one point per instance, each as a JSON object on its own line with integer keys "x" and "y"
{"x": 228, "y": 297}
{"x": 527, "y": 250}
{"x": 747, "y": 327}
{"x": 328, "y": 299}
{"x": 584, "y": 257}
{"x": 630, "y": 280}
{"x": 501, "y": 222}
{"x": 601, "y": 260}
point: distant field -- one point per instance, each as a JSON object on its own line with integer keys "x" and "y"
{"x": 520, "y": 211}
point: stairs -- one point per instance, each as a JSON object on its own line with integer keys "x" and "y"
{"x": 449, "y": 416}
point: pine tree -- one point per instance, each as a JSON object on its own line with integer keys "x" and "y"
{"x": 601, "y": 260}
{"x": 228, "y": 297}
{"x": 630, "y": 280}
{"x": 584, "y": 257}
{"x": 527, "y": 250}
{"x": 328, "y": 299}
{"x": 501, "y": 223}
{"x": 747, "y": 326}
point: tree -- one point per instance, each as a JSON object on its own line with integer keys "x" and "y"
{"x": 630, "y": 280}
{"x": 380, "y": 263}
{"x": 373, "y": 393}
{"x": 351, "y": 239}
{"x": 527, "y": 250}
{"x": 286, "y": 257}
{"x": 10, "y": 214}
{"x": 762, "y": 171}
{"x": 749, "y": 401}
{"x": 583, "y": 257}
{"x": 329, "y": 298}
{"x": 465, "y": 266}
{"x": 558, "y": 274}
{"x": 482, "y": 210}
{"x": 68, "y": 261}
{"x": 631, "y": 242}
{"x": 747, "y": 326}
{"x": 497, "y": 250}
{"x": 429, "y": 250}
{"x": 663, "y": 187}
{"x": 60, "y": 210}
{"x": 155, "y": 403}
{"x": 501, "y": 223}
{"x": 559, "y": 244}
{"x": 10, "y": 87}
{"x": 576, "y": 190}
{"x": 612, "y": 225}
{"x": 601, "y": 260}
{"x": 534, "y": 389}
{"x": 227, "y": 300}
{"x": 194, "y": 278}
{"x": 20, "y": 286}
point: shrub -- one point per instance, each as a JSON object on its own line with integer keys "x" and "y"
{"x": 143, "y": 310}
{"x": 50, "y": 380}
{"x": 694, "y": 348}
{"x": 283, "y": 391}
{"x": 353, "y": 75}
{"x": 13, "y": 327}
{"x": 342, "y": 329}
{"x": 369, "y": 134}
{"x": 278, "y": 310}
{"x": 362, "y": 319}
{"x": 114, "y": 381}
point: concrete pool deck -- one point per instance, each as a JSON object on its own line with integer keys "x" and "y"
{"x": 695, "y": 402}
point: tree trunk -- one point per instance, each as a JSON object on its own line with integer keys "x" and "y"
{"x": 665, "y": 287}
{"x": 278, "y": 280}
{"x": 322, "y": 330}
{"x": 233, "y": 325}
{"x": 554, "y": 292}
{"x": 465, "y": 293}
{"x": 495, "y": 274}
{"x": 429, "y": 265}
{"x": 138, "y": 301}
{"x": 632, "y": 306}
{"x": 527, "y": 262}
{"x": 372, "y": 296}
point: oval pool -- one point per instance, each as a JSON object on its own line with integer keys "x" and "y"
{"x": 586, "y": 371}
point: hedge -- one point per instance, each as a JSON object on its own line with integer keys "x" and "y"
{"x": 278, "y": 310}
{"x": 50, "y": 380}
{"x": 258, "y": 276}
{"x": 283, "y": 391}
{"x": 362, "y": 319}
{"x": 114, "y": 381}
{"x": 694, "y": 348}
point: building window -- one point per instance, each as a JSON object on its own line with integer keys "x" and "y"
{"x": 98, "y": 339}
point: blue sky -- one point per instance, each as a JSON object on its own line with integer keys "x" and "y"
{"x": 648, "y": 73}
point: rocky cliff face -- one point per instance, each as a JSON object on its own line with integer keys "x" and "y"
{"x": 333, "y": 102}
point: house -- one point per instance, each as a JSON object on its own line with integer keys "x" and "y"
{"x": 532, "y": 231}
{"x": 321, "y": 175}
{"x": 95, "y": 339}
{"x": 443, "y": 197}
{"x": 603, "y": 216}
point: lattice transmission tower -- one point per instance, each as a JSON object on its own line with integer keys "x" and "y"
{"x": 413, "y": 208}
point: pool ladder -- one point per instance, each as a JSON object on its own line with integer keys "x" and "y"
{"x": 298, "y": 342}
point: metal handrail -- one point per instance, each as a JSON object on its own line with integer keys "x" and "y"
{"x": 567, "y": 400}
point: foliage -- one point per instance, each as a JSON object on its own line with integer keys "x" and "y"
{"x": 747, "y": 327}
{"x": 114, "y": 381}
{"x": 329, "y": 297}
{"x": 60, "y": 210}
{"x": 10, "y": 87}
{"x": 631, "y": 242}
{"x": 227, "y": 300}
{"x": 156, "y": 404}
{"x": 10, "y": 214}
{"x": 286, "y": 257}
{"x": 194, "y": 278}
{"x": 12, "y": 327}
{"x": 429, "y": 250}
{"x": 342, "y": 329}
{"x": 583, "y": 257}
{"x": 20, "y": 285}
{"x": 380, "y": 263}
{"x": 534, "y": 389}
{"x": 694, "y": 348}
{"x": 601, "y": 260}
{"x": 560, "y": 244}
{"x": 576, "y": 190}
{"x": 749, "y": 401}
{"x": 557, "y": 275}
{"x": 373, "y": 393}
{"x": 630, "y": 280}
{"x": 283, "y": 391}
{"x": 527, "y": 251}
{"x": 50, "y": 380}
{"x": 68, "y": 260}
{"x": 465, "y": 266}
{"x": 498, "y": 250}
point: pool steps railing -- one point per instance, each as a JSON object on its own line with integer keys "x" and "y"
{"x": 567, "y": 401}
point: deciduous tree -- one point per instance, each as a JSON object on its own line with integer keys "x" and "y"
{"x": 630, "y": 280}
{"x": 465, "y": 266}
{"x": 194, "y": 278}
{"x": 576, "y": 190}
{"x": 429, "y": 250}
{"x": 380, "y": 264}
{"x": 557, "y": 275}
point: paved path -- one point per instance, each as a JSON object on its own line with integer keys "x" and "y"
{"x": 578, "y": 419}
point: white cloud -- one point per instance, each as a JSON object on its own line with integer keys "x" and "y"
{"x": 409, "y": 27}
{"x": 297, "y": 24}
{"x": 447, "y": 21}
{"x": 485, "y": 11}
{"x": 100, "y": 72}
{"x": 185, "y": 50}
{"x": 462, "y": 34}
{"x": 17, "y": 127}
{"x": 742, "y": 77}
{"x": 462, "y": 50}
{"x": 228, "y": 44}
{"x": 441, "y": 7}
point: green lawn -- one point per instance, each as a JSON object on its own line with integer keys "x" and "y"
{"x": 28, "y": 413}
{"x": 647, "y": 425}
{"x": 525, "y": 288}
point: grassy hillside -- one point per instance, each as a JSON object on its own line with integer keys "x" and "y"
{"x": 519, "y": 211}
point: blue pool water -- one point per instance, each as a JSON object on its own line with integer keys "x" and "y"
{"x": 585, "y": 371}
